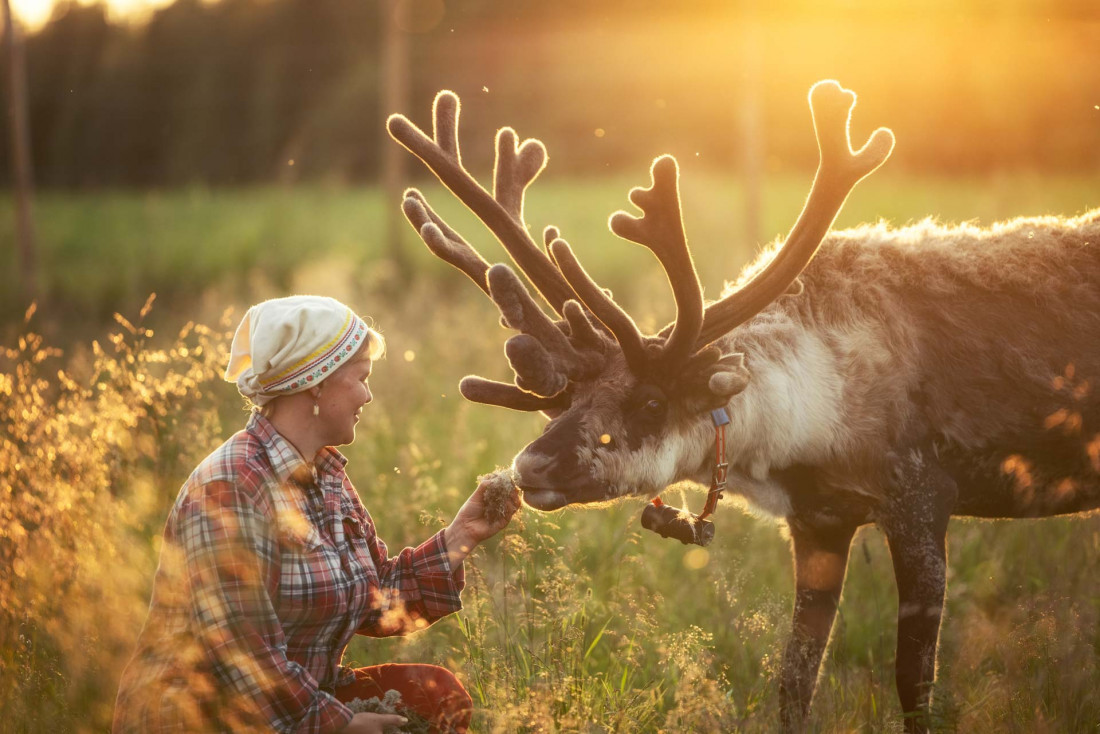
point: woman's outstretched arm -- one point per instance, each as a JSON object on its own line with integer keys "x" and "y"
{"x": 420, "y": 585}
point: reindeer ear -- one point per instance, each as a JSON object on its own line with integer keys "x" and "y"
{"x": 728, "y": 377}
{"x": 727, "y": 383}
{"x": 715, "y": 381}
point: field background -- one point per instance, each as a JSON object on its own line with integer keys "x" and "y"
{"x": 574, "y": 621}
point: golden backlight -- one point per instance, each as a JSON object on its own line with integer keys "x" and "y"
{"x": 35, "y": 13}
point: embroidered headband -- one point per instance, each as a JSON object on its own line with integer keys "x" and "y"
{"x": 287, "y": 345}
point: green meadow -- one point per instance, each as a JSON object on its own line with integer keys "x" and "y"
{"x": 576, "y": 621}
{"x": 106, "y": 252}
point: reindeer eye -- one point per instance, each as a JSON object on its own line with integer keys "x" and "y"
{"x": 605, "y": 439}
{"x": 648, "y": 404}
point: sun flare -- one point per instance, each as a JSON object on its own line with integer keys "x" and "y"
{"x": 36, "y": 13}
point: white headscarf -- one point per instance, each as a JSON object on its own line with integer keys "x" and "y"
{"x": 287, "y": 345}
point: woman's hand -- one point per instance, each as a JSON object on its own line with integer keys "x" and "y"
{"x": 472, "y": 524}
{"x": 365, "y": 723}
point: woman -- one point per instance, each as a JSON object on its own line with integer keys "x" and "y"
{"x": 270, "y": 563}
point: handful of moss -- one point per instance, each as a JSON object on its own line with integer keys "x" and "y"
{"x": 391, "y": 703}
{"x": 500, "y": 485}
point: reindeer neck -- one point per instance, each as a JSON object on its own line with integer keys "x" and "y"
{"x": 791, "y": 411}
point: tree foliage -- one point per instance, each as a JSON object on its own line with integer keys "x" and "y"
{"x": 245, "y": 91}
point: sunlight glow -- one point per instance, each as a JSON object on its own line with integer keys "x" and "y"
{"x": 35, "y": 13}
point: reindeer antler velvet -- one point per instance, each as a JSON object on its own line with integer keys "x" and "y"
{"x": 502, "y": 213}
{"x": 547, "y": 355}
{"x": 661, "y": 229}
{"x": 839, "y": 170}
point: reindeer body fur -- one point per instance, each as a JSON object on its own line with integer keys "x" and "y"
{"x": 959, "y": 333}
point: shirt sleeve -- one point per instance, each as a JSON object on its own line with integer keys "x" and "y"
{"x": 416, "y": 587}
{"x": 231, "y": 554}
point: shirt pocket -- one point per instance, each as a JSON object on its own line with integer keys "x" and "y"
{"x": 359, "y": 549}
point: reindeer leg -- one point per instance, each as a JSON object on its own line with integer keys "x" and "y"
{"x": 915, "y": 524}
{"x": 820, "y": 560}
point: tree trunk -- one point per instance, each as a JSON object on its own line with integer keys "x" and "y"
{"x": 395, "y": 98}
{"x": 22, "y": 182}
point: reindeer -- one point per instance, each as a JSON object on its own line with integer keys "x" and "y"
{"x": 873, "y": 375}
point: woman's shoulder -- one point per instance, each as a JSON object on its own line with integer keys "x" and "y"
{"x": 240, "y": 463}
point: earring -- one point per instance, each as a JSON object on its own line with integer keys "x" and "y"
{"x": 316, "y": 409}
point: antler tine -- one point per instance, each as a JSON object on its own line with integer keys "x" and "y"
{"x": 839, "y": 170}
{"x": 518, "y": 167}
{"x": 661, "y": 229}
{"x": 444, "y": 242}
{"x": 536, "y": 370}
{"x": 542, "y": 356}
{"x": 520, "y": 312}
{"x": 445, "y": 109}
{"x": 479, "y": 390}
{"x": 602, "y": 306}
{"x": 549, "y": 234}
{"x": 581, "y": 329}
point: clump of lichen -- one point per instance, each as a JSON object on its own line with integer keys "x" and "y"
{"x": 391, "y": 703}
{"x": 499, "y": 487}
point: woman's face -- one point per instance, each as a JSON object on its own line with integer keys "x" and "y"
{"x": 341, "y": 402}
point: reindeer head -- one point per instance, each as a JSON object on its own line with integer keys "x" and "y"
{"x": 626, "y": 409}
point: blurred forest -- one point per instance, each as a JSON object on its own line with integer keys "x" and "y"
{"x": 249, "y": 91}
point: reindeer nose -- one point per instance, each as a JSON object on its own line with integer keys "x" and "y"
{"x": 533, "y": 470}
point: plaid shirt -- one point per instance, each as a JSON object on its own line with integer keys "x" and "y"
{"x": 266, "y": 571}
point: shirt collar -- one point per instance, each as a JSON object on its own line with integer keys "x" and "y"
{"x": 286, "y": 462}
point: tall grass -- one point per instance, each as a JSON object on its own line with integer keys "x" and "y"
{"x": 573, "y": 622}
{"x": 87, "y": 446}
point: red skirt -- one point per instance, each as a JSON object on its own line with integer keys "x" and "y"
{"x": 429, "y": 690}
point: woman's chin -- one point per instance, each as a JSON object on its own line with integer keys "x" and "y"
{"x": 344, "y": 438}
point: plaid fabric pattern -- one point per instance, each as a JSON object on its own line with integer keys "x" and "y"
{"x": 266, "y": 571}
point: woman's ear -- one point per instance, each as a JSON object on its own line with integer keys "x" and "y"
{"x": 315, "y": 391}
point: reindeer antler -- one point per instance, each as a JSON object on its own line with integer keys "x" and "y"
{"x": 516, "y": 167}
{"x": 542, "y": 356}
{"x": 520, "y": 312}
{"x": 838, "y": 172}
{"x": 547, "y": 354}
{"x": 602, "y": 306}
{"x": 661, "y": 229}
{"x": 444, "y": 242}
{"x": 479, "y": 390}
